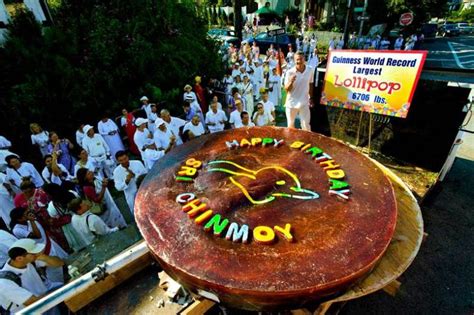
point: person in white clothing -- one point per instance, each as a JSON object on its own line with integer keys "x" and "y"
{"x": 215, "y": 118}
{"x": 95, "y": 190}
{"x": 85, "y": 162}
{"x": 87, "y": 224}
{"x": 110, "y": 132}
{"x": 18, "y": 171}
{"x": 24, "y": 225}
{"x": 97, "y": 149}
{"x": 24, "y": 286}
{"x": 398, "y": 43}
{"x": 145, "y": 143}
{"x": 245, "y": 120}
{"x": 261, "y": 117}
{"x": 340, "y": 43}
{"x": 194, "y": 128}
{"x": 299, "y": 87}
{"x": 80, "y": 135}
{"x": 163, "y": 137}
{"x": 126, "y": 175}
{"x": 274, "y": 89}
{"x": 332, "y": 43}
{"x": 174, "y": 124}
{"x": 268, "y": 105}
{"x": 247, "y": 93}
{"x": 6, "y": 198}
{"x": 146, "y": 106}
{"x": 54, "y": 172}
{"x": 5, "y": 145}
{"x": 314, "y": 59}
{"x": 40, "y": 138}
{"x": 6, "y": 241}
{"x": 152, "y": 118}
{"x": 234, "y": 118}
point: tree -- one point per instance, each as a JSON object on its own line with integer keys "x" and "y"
{"x": 99, "y": 56}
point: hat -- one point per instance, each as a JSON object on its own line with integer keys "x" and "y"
{"x": 29, "y": 245}
{"x": 140, "y": 121}
{"x": 144, "y": 98}
{"x": 187, "y": 86}
{"x": 87, "y": 128}
{"x": 159, "y": 122}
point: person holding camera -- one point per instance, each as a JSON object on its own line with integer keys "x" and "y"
{"x": 24, "y": 225}
{"x": 20, "y": 281}
{"x": 19, "y": 171}
{"x": 55, "y": 172}
{"x": 61, "y": 148}
{"x": 95, "y": 190}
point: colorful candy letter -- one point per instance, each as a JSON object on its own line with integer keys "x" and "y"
{"x": 263, "y": 234}
{"x": 236, "y": 235}
{"x": 219, "y": 226}
{"x": 284, "y": 232}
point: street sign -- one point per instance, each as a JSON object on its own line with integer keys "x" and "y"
{"x": 359, "y": 10}
{"x": 406, "y": 18}
{"x": 363, "y": 18}
{"x": 278, "y": 31}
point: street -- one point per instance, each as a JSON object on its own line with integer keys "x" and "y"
{"x": 450, "y": 52}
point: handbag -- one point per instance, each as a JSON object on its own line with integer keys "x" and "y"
{"x": 96, "y": 208}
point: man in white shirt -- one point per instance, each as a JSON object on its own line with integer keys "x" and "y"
{"x": 173, "y": 123}
{"x": 145, "y": 143}
{"x": 54, "y": 172}
{"x": 152, "y": 118}
{"x": 18, "y": 171}
{"x": 234, "y": 118}
{"x": 6, "y": 241}
{"x": 126, "y": 175}
{"x": 5, "y": 145}
{"x": 268, "y": 105}
{"x": 163, "y": 137}
{"x": 260, "y": 117}
{"x": 274, "y": 88}
{"x": 194, "y": 128}
{"x": 314, "y": 59}
{"x": 87, "y": 224}
{"x": 299, "y": 87}
{"x": 22, "y": 285}
{"x": 215, "y": 119}
{"x": 245, "y": 120}
{"x": 97, "y": 149}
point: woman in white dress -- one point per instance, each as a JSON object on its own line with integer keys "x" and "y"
{"x": 40, "y": 138}
{"x": 248, "y": 94}
{"x": 24, "y": 225}
{"x": 96, "y": 190}
{"x": 110, "y": 132}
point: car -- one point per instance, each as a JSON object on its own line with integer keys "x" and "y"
{"x": 223, "y": 35}
{"x": 429, "y": 30}
{"x": 264, "y": 41}
{"x": 465, "y": 28}
{"x": 448, "y": 30}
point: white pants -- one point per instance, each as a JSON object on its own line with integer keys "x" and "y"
{"x": 305, "y": 117}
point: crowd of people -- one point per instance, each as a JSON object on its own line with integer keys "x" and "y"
{"x": 66, "y": 205}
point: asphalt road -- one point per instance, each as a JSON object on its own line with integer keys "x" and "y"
{"x": 450, "y": 52}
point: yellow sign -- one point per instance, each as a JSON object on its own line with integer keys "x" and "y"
{"x": 381, "y": 82}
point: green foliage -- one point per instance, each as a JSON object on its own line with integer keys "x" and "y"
{"x": 100, "y": 56}
{"x": 462, "y": 16}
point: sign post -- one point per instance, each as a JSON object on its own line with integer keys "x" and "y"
{"x": 406, "y": 19}
{"x": 372, "y": 81}
{"x": 275, "y": 32}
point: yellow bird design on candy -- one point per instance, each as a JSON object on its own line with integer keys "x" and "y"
{"x": 299, "y": 192}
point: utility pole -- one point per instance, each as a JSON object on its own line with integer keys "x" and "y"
{"x": 361, "y": 27}
{"x": 350, "y": 10}
{"x": 238, "y": 18}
